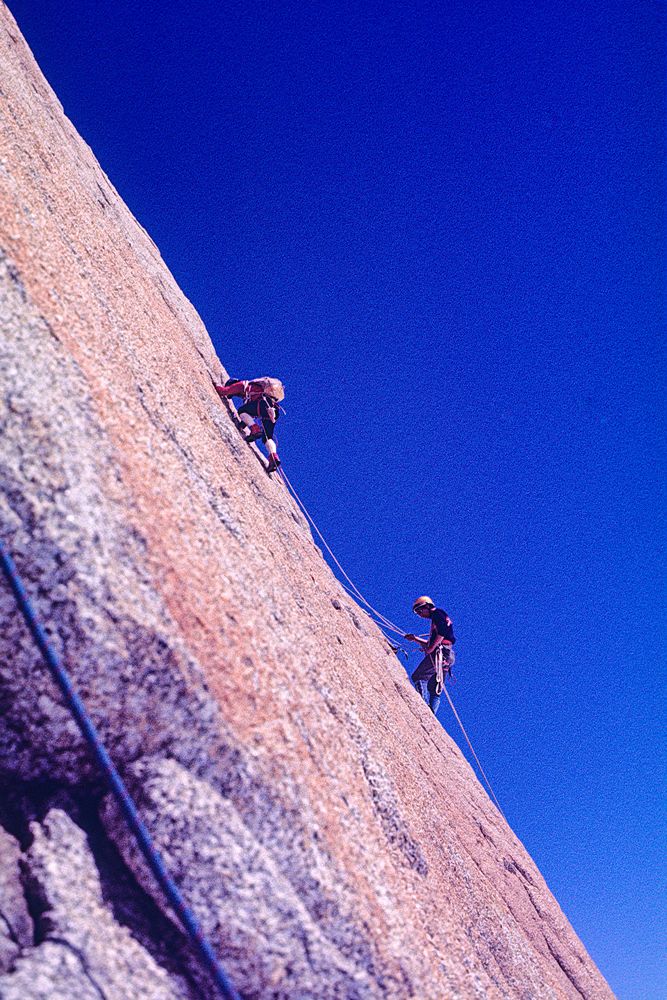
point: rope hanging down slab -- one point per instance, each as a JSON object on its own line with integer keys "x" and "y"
{"x": 116, "y": 784}
{"x": 385, "y": 623}
{"x": 472, "y": 751}
{"x": 382, "y": 621}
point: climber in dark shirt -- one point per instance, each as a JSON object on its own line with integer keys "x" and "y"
{"x": 429, "y": 677}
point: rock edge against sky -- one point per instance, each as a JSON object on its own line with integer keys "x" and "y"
{"x": 328, "y": 833}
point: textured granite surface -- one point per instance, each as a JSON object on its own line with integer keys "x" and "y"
{"x": 328, "y": 832}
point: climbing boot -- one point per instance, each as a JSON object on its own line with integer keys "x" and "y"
{"x": 250, "y": 431}
{"x": 274, "y": 462}
{"x": 255, "y": 433}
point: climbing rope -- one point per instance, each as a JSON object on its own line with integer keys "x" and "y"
{"x": 379, "y": 624}
{"x": 116, "y": 784}
{"x": 382, "y": 621}
{"x": 472, "y": 751}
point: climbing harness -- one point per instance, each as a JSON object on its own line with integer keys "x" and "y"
{"x": 123, "y": 798}
{"x": 443, "y": 668}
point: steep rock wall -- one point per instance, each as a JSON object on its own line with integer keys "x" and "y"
{"x": 328, "y": 833}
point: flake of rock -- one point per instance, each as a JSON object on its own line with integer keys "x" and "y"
{"x": 86, "y": 952}
{"x": 15, "y": 924}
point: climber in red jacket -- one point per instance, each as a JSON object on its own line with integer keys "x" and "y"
{"x": 261, "y": 402}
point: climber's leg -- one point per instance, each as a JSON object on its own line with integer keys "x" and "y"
{"x": 433, "y": 694}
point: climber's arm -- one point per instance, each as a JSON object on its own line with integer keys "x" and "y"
{"x": 233, "y": 389}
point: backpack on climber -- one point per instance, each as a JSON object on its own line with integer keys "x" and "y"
{"x": 260, "y": 410}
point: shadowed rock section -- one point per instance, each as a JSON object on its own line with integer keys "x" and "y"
{"x": 327, "y": 832}
{"x": 83, "y": 952}
{"x": 16, "y": 930}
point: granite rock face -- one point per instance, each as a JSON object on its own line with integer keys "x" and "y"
{"x": 331, "y": 838}
{"x": 249, "y": 910}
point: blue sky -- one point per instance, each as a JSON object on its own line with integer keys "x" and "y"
{"x": 442, "y": 226}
